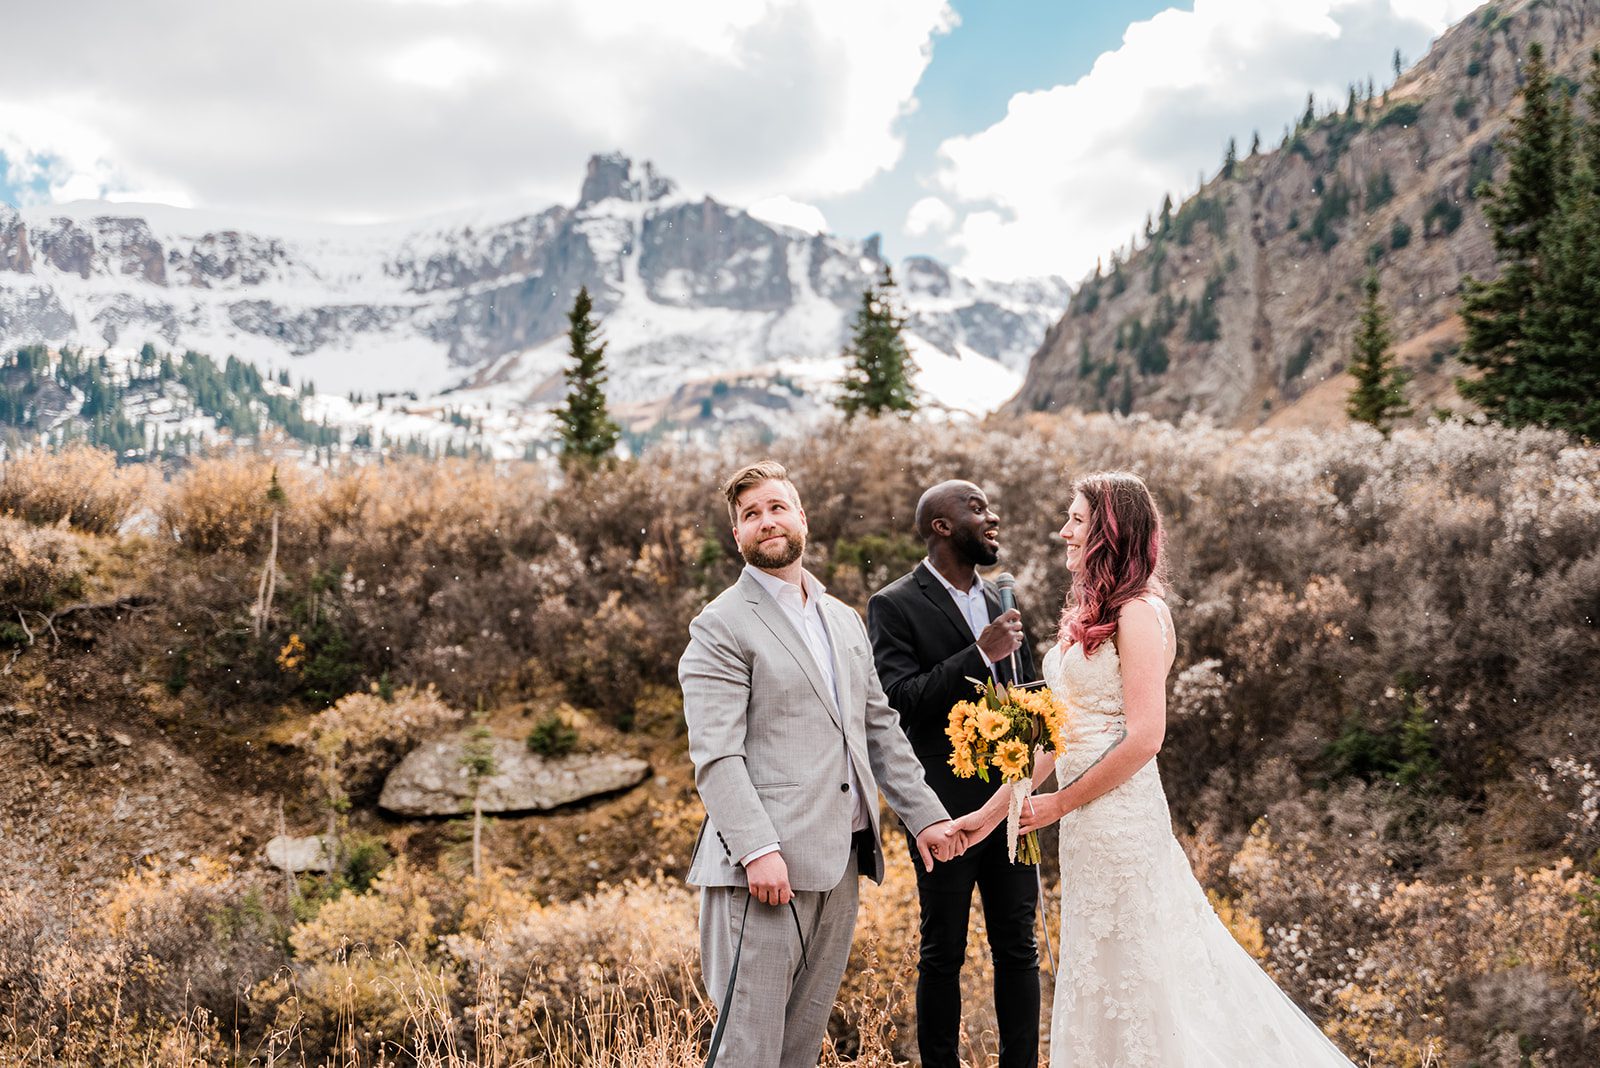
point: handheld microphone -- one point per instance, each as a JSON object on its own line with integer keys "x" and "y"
{"x": 1006, "y": 585}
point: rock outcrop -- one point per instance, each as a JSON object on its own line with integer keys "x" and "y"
{"x": 432, "y": 781}
{"x": 287, "y": 853}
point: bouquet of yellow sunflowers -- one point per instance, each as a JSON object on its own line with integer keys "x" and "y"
{"x": 1003, "y": 729}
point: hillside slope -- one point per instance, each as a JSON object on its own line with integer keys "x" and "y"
{"x": 1241, "y": 305}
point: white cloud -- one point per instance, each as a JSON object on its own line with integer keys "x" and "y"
{"x": 344, "y": 109}
{"x": 440, "y": 63}
{"x": 928, "y": 216}
{"x": 786, "y": 212}
{"x": 1070, "y": 173}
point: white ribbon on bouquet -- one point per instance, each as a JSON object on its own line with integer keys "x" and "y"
{"x": 1020, "y": 792}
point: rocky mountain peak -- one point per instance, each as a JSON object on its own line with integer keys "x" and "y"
{"x": 923, "y": 274}
{"x": 695, "y": 296}
{"x": 610, "y": 176}
{"x": 13, "y": 242}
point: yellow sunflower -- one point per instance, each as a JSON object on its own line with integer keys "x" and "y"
{"x": 992, "y": 724}
{"x": 1011, "y": 757}
{"x": 962, "y": 712}
{"x": 961, "y": 763}
{"x": 1051, "y": 712}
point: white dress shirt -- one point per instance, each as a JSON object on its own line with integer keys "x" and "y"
{"x": 805, "y": 613}
{"x": 972, "y": 605}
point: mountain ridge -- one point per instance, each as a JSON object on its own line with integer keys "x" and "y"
{"x": 691, "y": 291}
{"x": 1260, "y": 269}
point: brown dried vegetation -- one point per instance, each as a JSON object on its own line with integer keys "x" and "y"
{"x": 1381, "y": 746}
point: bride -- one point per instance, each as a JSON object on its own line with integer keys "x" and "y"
{"x": 1149, "y": 977}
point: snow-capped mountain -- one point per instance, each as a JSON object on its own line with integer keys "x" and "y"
{"x": 696, "y": 298}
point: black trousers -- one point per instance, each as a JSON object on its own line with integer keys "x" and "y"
{"x": 1010, "y": 895}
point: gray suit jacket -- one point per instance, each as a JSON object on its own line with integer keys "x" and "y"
{"x": 769, "y": 751}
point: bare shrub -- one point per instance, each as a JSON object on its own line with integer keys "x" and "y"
{"x": 79, "y": 486}
{"x": 153, "y": 948}
{"x": 362, "y": 736}
{"x": 632, "y": 941}
{"x": 223, "y": 504}
{"x": 38, "y": 569}
{"x": 350, "y": 961}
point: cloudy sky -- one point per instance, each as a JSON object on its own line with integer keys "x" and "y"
{"x": 1010, "y": 137}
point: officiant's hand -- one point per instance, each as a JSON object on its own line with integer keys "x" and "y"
{"x": 769, "y": 879}
{"x": 1002, "y": 637}
{"x": 1040, "y": 811}
{"x": 941, "y": 841}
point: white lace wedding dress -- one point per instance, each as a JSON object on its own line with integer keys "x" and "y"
{"x": 1149, "y": 977}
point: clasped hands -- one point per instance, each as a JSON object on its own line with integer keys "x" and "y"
{"x": 768, "y": 874}
{"x": 1038, "y": 811}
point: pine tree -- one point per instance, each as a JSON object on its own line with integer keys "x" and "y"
{"x": 1557, "y": 379}
{"x": 588, "y": 435}
{"x": 1495, "y": 312}
{"x": 1230, "y": 159}
{"x": 1379, "y": 393}
{"x": 878, "y": 379}
{"x": 1255, "y": 142}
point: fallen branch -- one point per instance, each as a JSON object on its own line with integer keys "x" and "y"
{"x": 131, "y": 603}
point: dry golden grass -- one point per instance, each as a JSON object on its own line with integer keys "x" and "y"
{"x": 1386, "y": 670}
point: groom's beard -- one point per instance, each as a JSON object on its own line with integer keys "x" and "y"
{"x": 794, "y": 545}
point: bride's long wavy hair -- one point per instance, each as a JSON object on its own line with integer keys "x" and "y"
{"x": 1122, "y": 556}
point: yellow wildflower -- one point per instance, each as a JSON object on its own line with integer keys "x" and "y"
{"x": 1044, "y": 704}
{"x": 1011, "y": 757}
{"x": 992, "y": 724}
{"x": 962, "y": 712}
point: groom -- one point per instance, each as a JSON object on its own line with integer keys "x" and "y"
{"x": 791, "y": 739}
{"x": 934, "y": 630}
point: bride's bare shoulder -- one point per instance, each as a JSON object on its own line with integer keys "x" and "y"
{"x": 1144, "y": 621}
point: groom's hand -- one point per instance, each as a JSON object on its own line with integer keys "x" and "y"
{"x": 942, "y": 841}
{"x": 769, "y": 879}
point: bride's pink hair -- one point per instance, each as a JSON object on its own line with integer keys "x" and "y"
{"x": 1121, "y": 556}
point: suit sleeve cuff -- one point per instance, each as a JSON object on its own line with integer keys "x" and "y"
{"x": 744, "y": 861}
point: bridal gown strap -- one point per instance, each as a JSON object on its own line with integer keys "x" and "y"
{"x": 1162, "y": 612}
{"x": 1149, "y": 977}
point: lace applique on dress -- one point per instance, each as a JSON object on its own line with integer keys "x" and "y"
{"x": 1148, "y": 976}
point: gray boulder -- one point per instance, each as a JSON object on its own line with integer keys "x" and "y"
{"x": 431, "y": 780}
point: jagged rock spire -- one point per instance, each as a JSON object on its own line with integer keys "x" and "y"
{"x": 610, "y": 176}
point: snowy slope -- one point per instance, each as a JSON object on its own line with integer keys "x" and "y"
{"x": 468, "y": 310}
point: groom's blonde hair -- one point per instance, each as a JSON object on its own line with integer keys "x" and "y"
{"x": 753, "y": 475}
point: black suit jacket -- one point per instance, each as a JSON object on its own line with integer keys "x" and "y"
{"x": 925, "y": 653}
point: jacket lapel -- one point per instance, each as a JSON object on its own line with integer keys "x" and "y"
{"x": 934, "y": 591}
{"x": 777, "y": 621}
{"x": 836, "y": 648}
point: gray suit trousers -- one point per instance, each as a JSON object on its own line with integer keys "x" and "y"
{"x": 780, "y": 1009}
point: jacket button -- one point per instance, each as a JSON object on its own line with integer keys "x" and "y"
{"x": 844, "y": 788}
